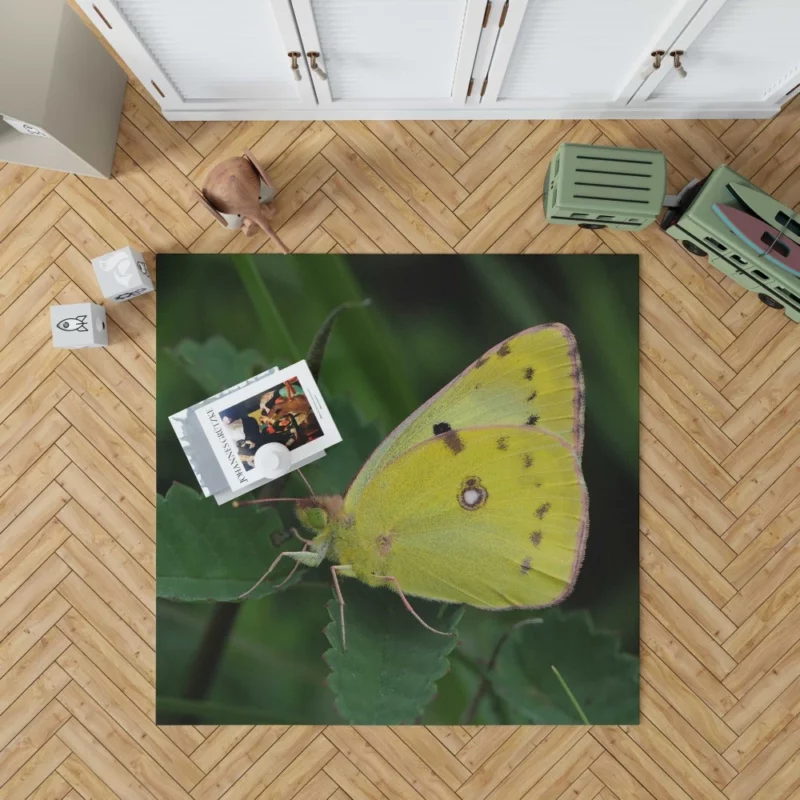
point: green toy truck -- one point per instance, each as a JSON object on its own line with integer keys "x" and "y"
{"x": 625, "y": 189}
{"x": 701, "y": 231}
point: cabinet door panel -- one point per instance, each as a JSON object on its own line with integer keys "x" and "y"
{"x": 391, "y": 52}
{"x": 748, "y": 52}
{"x": 207, "y": 53}
{"x": 568, "y": 51}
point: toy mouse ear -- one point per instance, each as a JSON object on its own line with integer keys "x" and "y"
{"x": 213, "y": 211}
{"x": 256, "y": 166}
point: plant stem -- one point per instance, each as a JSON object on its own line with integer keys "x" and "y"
{"x": 215, "y": 639}
{"x": 278, "y": 336}
{"x": 469, "y": 715}
{"x": 570, "y": 695}
{"x": 208, "y": 657}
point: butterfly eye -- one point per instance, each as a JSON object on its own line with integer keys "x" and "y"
{"x": 472, "y": 495}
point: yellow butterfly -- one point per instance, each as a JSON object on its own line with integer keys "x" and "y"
{"x": 478, "y": 497}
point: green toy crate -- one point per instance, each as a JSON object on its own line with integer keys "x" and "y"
{"x": 605, "y": 187}
{"x": 695, "y": 224}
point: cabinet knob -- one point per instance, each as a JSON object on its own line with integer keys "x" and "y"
{"x": 313, "y": 56}
{"x": 658, "y": 56}
{"x": 676, "y": 60}
{"x": 294, "y": 55}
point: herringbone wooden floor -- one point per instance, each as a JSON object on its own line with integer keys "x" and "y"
{"x": 720, "y": 506}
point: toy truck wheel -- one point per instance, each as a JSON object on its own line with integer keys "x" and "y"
{"x": 769, "y": 301}
{"x": 693, "y": 248}
{"x": 592, "y": 226}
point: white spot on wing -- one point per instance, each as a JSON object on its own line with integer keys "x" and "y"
{"x": 471, "y": 496}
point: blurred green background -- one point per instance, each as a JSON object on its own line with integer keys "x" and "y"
{"x": 430, "y": 316}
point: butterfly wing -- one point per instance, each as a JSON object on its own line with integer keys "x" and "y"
{"x": 495, "y": 517}
{"x": 532, "y": 378}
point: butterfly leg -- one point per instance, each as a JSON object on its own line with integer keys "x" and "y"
{"x": 409, "y": 607}
{"x": 302, "y": 557}
{"x": 345, "y": 569}
{"x": 306, "y": 545}
{"x": 297, "y": 535}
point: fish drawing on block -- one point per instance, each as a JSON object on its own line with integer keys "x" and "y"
{"x": 77, "y": 324}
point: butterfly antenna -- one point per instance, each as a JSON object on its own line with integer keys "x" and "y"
{"x": 237, "y": 503}
{"x": 305, "y": 481}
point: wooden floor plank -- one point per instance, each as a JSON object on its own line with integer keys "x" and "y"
{"x": 91, "y": 570}
{"x": 93, "y": 770}
{"x": 12, "y": 176}
{"x": 159, "y": 131}
{"x": 437, "y": 143}
{"x": 22, "y": 717}
{"x": 413, "y": 191}
{"x": 419, "y": 161}
{"x": 25, "y": 236}
{"x": 719, "y": 477}
{"x": 497, "y": 180}
{"x": 698, "y": 760}
{"x": 209, "y": 135}
{"x": 301, "y": 146}
{"x": 769, "y": 724}
{"x": 154, "y": 199}
{"x": 356, "y": 207}
{"x": 83, "y": 707}
{"x": 153, "y": 161}
{"x": 111, "y": 626}
{"x": 16, "y": 282}
{"x": 384, "y": 198}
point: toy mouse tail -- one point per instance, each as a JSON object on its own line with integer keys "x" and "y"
{"x": 262, "y": 223}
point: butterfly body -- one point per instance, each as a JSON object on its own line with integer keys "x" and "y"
{"x": 478, "y": 497}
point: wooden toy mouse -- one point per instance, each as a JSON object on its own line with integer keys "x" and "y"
{"x": 237, "y": 192}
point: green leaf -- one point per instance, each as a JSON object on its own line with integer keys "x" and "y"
{"x": 389, "y": 671}
{"x": 217, "y": 364}
{"x": 316, "y": 351}
{"x": 211, "y": 552}
{"x": 603, "y": 680}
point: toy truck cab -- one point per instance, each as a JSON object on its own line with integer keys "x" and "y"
{"x": 702, "y": 232}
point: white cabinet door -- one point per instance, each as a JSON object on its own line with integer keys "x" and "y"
{"x": 208, "y": 54}
{"x": 390, "y": 54}
{"x": 735, "y": 51}
{"x": 558, "y": 53}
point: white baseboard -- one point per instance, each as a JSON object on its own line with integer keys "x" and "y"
{"x": 704, "y": 111}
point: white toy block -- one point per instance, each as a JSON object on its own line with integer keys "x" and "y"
{"x": 78, "y": 325}
{"x": 122, "y": 274}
